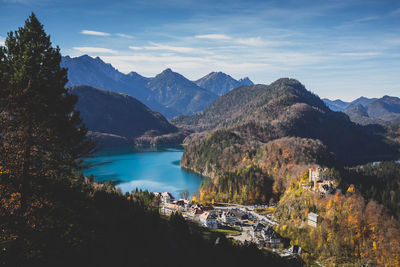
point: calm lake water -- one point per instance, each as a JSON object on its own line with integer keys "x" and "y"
{"x": 154, "y": 169}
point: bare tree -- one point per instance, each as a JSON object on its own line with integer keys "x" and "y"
{"x": 184, "y": 194}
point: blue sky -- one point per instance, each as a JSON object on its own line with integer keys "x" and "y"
{"x": 337, "y": 49}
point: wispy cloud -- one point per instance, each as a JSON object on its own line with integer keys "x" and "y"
{"x": 395, "y": 12}
{"x": 88, "y": 49}
{"x": 366, "y": 19}
{"x": 214, "y": 37}
{"x": 258, "y": 41}
{"x": 96, "y": 33}
{"x": 123, "y": 35}
{"x": 359, "y": 54}
{"x": 358, "y": 21}
{"x": 163, "y": 47}
{"x": 250, "y": 41}
{"x": 2, "y": 39}
{"x": 136, "y": 48}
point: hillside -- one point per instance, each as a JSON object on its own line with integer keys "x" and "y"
{"x": 285, "y": 108}
{"x": 81, "y": 223}
{"x": 382, "y": 111}
{"x": 176, "y": 92}
{"x": 363, "y": 101}
{"x": 339, "y": 105}
{"x": 118, "y": 118}
{"x": 273, "y": 132}
{"x": 220, "y": 83}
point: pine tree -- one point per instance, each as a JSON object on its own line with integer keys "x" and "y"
{"x": 42, "y": 136}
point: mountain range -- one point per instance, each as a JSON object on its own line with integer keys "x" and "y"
{"x": 249, "y": 117}
{"x": 220, "y": 83}
{"x": 116, "y": 119}
{"x": 169, "y": 93}
{"x": 369, "y": 110}
{"x": 339, "y": 105}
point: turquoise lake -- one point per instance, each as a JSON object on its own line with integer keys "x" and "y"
{"x": 154, "y": 169}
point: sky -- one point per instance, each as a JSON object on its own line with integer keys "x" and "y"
{"x": 337, "y": 49}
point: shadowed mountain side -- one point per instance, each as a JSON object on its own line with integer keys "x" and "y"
{"x": 384, "y": 111}
{"x": 115, "y": 119}
{"x": 168, "y": 93}
{"x": 175, "y": 91}
{"x": 285, "y": 108}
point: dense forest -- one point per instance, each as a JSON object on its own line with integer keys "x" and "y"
{"x": 255, "y": 141}
{"x": 379, "y": 182}
{"x": 261, "y": 174}
{"x": 352, "y": 231}
{"x": 285, "y": 108}
{"x": 78, "y": 223}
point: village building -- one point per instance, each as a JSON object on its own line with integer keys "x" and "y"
{"x": 258, "y": 226}
{"x": 295, "y": 250}
{"x": 207, "y": 208}
{"x": 313, "y": 219}
{"x": 184, "y": 204}
{"x": 228, "y": 217}
{"x": 169, "y": 208}
{"x": 209, "y": 219}
{"x": 195, "y": 210}
{"x": 241, "y": 215}
{"x": 166, "y": 197}
{"x": 272, "y": 238}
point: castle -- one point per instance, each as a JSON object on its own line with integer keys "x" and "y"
{"x": 322, "y": 182}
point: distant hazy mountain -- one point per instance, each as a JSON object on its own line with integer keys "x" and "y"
{"x": 85, "y": 70}
{"x": 363, "y": 101}
{"x": 339, "y": 105}
{"x": 220, "y": 83}
{"x": 168, "y": 93}
{"x": 118, "y": 116}
{"x": 175, "y": 91}
{"x": 382, "y": 110}
{"x": 335, "y": 105}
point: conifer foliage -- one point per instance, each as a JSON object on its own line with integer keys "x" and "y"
{"x": 42, "y": 139}
{"x": 42, "y": 134}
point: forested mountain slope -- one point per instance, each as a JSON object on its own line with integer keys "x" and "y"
{"x": 118, "y": 119}
{"x": 262, "y": 113}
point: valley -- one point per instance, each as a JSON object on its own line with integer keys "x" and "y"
{"x": 103, "y": 167}
{"x": 256, "y": 144}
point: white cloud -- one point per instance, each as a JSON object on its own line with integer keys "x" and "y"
{"x": 123, "y": 35}
{"x": 256, "y": 41}
{"x": 251, "y": 41}
{"x": 135, "y": 47}
{"x": 96, "y": 33}
{"x": 88, "y": 49}
{"x": 359, "y": 54}
{"x": 214, "y": 37}
{"x": 179, "y": 49}
{"x": 163, "y": 47}
{"x": 2, "y": 40}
